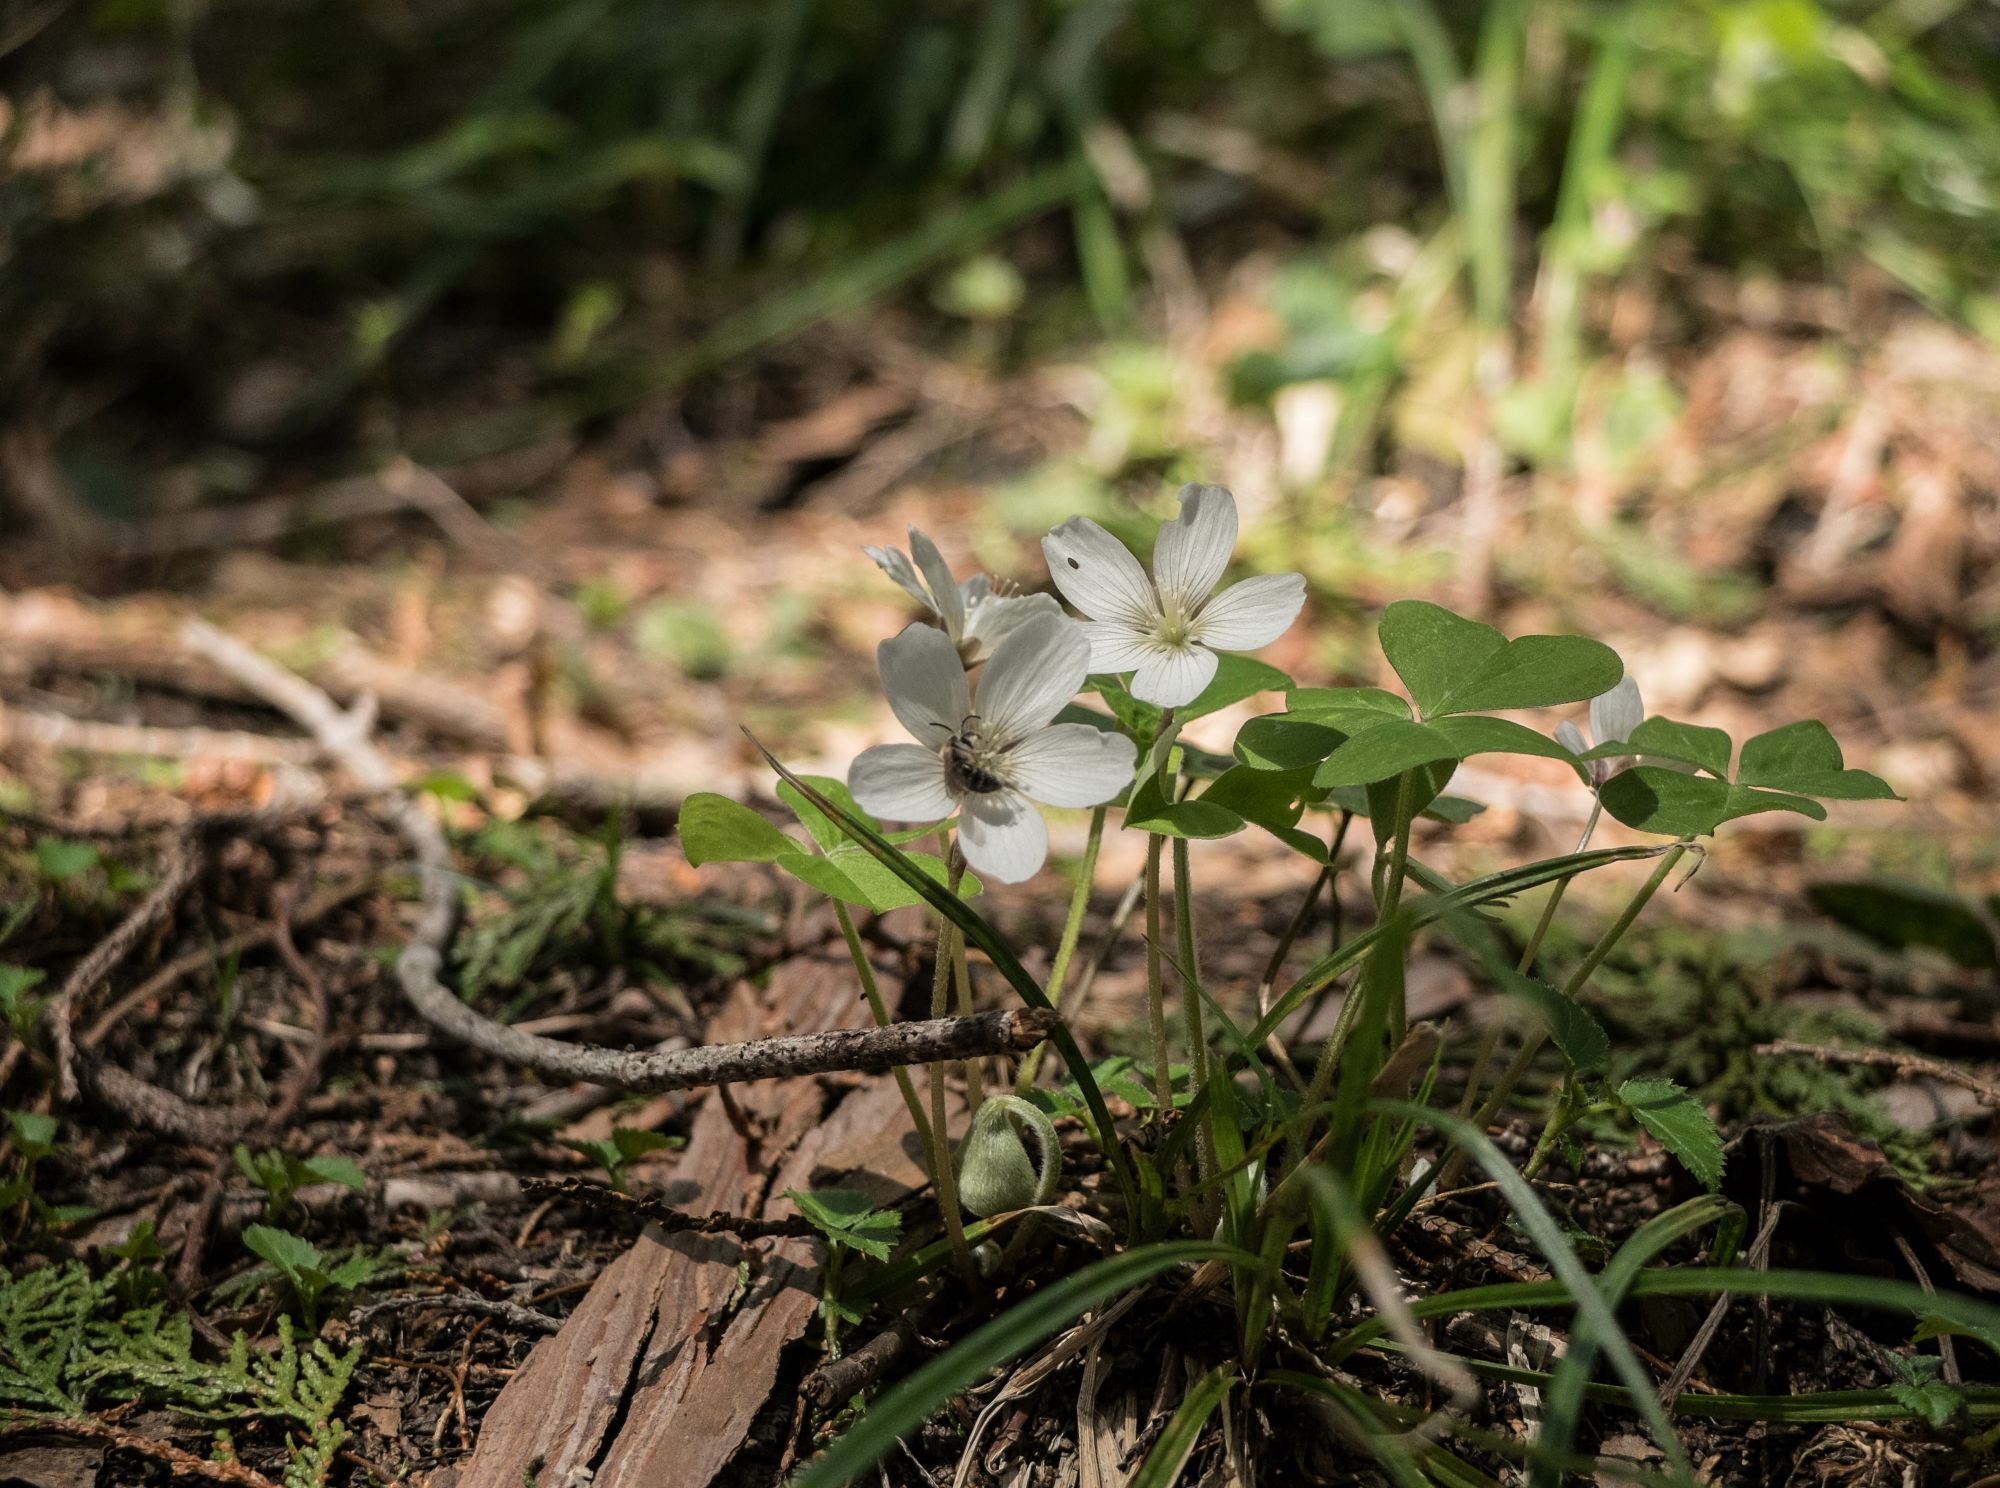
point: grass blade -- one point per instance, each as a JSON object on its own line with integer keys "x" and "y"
{"x": 906, "y": 1406}
{"x": 1176, "y": 1444}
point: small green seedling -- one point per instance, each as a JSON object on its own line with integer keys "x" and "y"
{"x": 21, "y": 1010}
{"x": 851, "y": 1226}
{"x": 1933, "y": 1400}
{"x": 281, "y": 1175}
{"x": 625, "y": 1146}
{"x": 309, "y": 1272}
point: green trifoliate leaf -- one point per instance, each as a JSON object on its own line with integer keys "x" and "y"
{"x": 825, "y": 831}
{"x": 1349, "y": 709}
{"x": 1745, "y": 800}
{"x": 1473, "y": 733}
{"x": 1383, "y": 752}
{"x": 715, "y": 829}
{"x": 1653, "y": 798}
{"x": 1680, "y": 1123}
{"x": 855, "y": 876}
{"x": 1279, "y": 742}
{"x": 1150, "y": 811}
{"x": 1389, "y": 798}
{"x": 1804, "y": 758}
{"x": 1899, "y": 915}
{"x": 1273, "y": 800}
{"x": 1236, "y": 678}
{"x": 1457, "y": 810}
{"x": 1707, "y": 748}
{"x": 1455, "y": 665}
{"x": 293, "y": 1255}
{"x": 1581, "y": 1038}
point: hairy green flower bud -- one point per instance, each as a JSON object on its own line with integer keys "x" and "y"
{"x": 995, "y": 1174}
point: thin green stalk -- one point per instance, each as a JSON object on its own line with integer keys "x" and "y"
{"x": 880, "y": 1012}
{"x": 1156, "y": 993}
{"x": 1556, "y": 894}
{"x": 1490, "y": 176}
{"x": 945, "y": 1177}
{"x": 1189, "y": 971}
{"x": 1392, "y": 890}
{"x": 1605, "y": 944}
{"x": 1079, "y": 902}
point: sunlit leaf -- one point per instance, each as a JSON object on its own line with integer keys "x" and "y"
{"x": 1681, "y": 1124}
{"x": 715, "y": 829}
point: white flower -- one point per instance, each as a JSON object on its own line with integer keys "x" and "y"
{"x": 990, "y": 765}
{"x": 975, "y": 614}
{"x": 1166, "y": 629}
{"x": 1613, "y": 716}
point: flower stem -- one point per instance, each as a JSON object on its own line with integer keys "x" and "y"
{"x": 873, "y": 992}
{"x": 1606, "y": 943}
{"x": 1190, "y": 978}
{"x": 1156, "y": 996}
{"x": 945, "y": 1178}
{"x": 1392, "y": 891}
{"x": 1079, "y": 902}
{"x": 1556, "y": 894}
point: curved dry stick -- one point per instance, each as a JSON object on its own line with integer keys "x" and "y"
{"x": 344, "y": 737}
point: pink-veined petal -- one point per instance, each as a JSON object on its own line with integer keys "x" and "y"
{"x": 1194, "y": 548}
{"x": 896, "y": 564}
{"x": 1098, "y": 575}
{"x": 1115, "y": 647}
{"x": 1173, "y": 675}
{"x": 1071, "y": 764}
{"x": 1251, "y": 614}
{"x": 900, "y": 782}
{"x": 925, "y": 683}
{"x": 945, "y": 598}
{"x": 1614, "y": 714}
{"x": 1003, "y": 836}
{"x": 1037, "y": 667}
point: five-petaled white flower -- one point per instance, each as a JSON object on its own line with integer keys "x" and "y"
{"x": 990, "y": 765}
{"x": 975, "y": 614}
{"x": 1166, "y": 629}
{"x": 1613, "y": 716}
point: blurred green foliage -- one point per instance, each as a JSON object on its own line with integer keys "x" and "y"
{"x": 239, "y": 229}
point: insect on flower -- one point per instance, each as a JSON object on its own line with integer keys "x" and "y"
{"x": 990, "y": 764}
{"x": 1166, "y": 629}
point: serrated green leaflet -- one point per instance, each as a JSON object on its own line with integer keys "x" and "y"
{"x": 1579, "y": 1037}
{"x": 1680, "y": 1123}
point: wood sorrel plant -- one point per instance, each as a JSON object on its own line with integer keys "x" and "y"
{"x": 1241, "y": 1151}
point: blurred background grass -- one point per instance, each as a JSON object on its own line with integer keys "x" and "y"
{"x": 1672, "y": 320}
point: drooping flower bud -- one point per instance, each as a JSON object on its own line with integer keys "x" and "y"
{"x": 995, "y": 1173}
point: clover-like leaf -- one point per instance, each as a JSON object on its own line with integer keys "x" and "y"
{"x": 1706, "y": 748}
{"x": 1383, "y": 752}
{"x": 1804, "y": 758}
{"x": 1455, "y": 665}
{"x": 1473, "y": 733}
{"x": 854, "y": 876}
{"x": 1278, "y": 741}
{"x": 715, "y": 829}
{"x": 1349, "y": 709}
{"x": 1150, "y": 811}
{"x": 1273, "y": 800}
{"x": 1653, "y": 798}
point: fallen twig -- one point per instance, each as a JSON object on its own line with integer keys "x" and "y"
{"x": 511, "y": 1313}
{"x": 666, "y": 1216}
{"x": 1910, "y": 1066}
{"x": 344, "y": 736}
{"x": 184, "y": 860}
{"x": 89, "y": 1428}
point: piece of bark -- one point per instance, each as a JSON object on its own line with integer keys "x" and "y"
{"x": 655, "y": 1378}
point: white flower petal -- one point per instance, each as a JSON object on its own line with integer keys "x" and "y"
{"x": 1002, "y": 836}
{"x": 1614, "y": 714}
{"x": 1116, "y": 647}
{"x": 1098, "y": 575}
{"x": 1251, "y": 614}
{"x": 996, "y": 615}
{"x": 1173, "y": 675}
{"x": 1570, "y": 737}
{"x": 1036, "y": 668}
{"x": 1194, "y": 548}
{"x": 945, "y": 598}
{"x": 925, "y": 683}
{"x": 901, "y": 782}
{"x": 1071, "y": 764}
{"x": 896, "y": 564}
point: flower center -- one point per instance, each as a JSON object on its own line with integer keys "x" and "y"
{"x": 973, "y": 766}
{"x": 1174, "y": 629}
